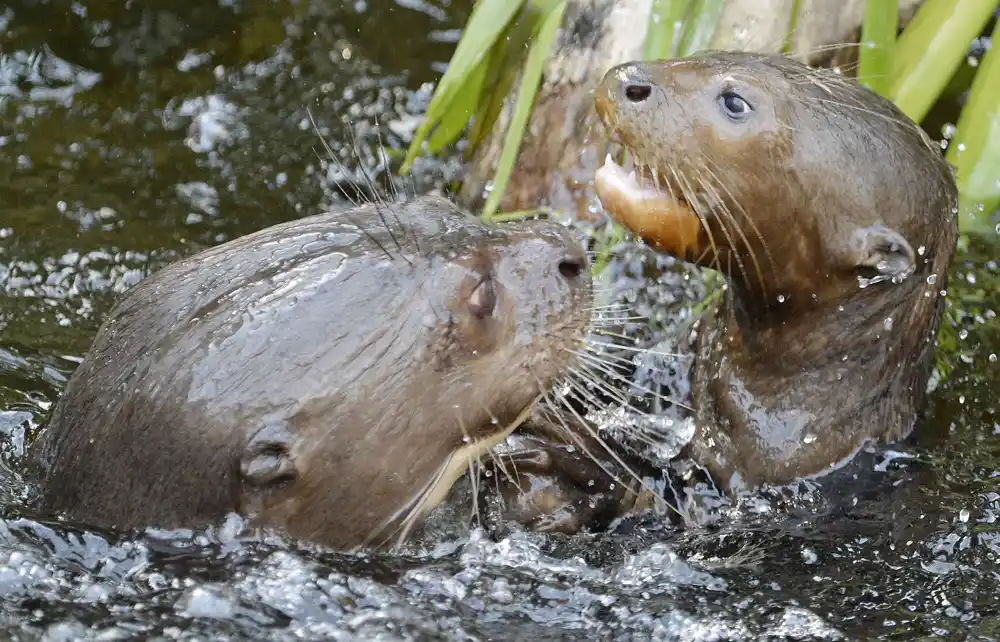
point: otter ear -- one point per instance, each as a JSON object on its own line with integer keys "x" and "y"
{"x": 266, "y": 459}
{"x": 883, "y": 250}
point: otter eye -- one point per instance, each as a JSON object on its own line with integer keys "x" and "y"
{"x": 734, "y": 105}
{"x": 483, "y": 299}
{"x": 638, "y": 92}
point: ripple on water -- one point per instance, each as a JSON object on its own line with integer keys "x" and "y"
{"x": 134, "y": 136}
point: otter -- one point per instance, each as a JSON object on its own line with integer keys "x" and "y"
{"x": 329, "y": 377}
{"x": 832, "y": 217}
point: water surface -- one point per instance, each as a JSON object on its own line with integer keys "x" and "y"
{"x": 135, "y": 133}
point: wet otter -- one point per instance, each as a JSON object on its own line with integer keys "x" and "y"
{"x": 833, "y": 217}
{"x": 330, "y": 377}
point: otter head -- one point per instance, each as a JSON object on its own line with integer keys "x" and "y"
{"x": 465, "y": 325}
{"x": 834, "y": 219}
{"x": 803, "y": 187}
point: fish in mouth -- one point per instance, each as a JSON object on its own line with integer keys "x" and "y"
{"x": 661, "y": 217}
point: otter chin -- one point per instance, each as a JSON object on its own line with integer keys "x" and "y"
{"x": 329, "y": 378}
{"x": 832, "y": 217}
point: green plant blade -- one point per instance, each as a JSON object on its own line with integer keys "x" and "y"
{"x": 505, "y": 62}
{"x": 530, "y": 79}
{"x": 793, "y": 25}
{"x": 878, "y": 43}
{"x": 699, "y": 28}
{"x": 975, "y": 148}
{"x": 662, "y": 32}
{"x": 931, "y": 48}
{"x": 488, "y": 20}
{"x": 466, "y": 102}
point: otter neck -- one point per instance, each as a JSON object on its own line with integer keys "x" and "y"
{"x": 778, "y": 398}
{"x": 854, "y": 324}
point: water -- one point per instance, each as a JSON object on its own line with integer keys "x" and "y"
{"x": 132, "y": 136}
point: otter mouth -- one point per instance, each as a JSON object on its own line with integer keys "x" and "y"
{"x": 642, "y": 204}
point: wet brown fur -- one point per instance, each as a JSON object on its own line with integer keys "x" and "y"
{"x": 315, "y": 375}
{"x": 799, "y": 366}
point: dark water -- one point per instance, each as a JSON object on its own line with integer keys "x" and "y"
{"x": 135, "y": 133}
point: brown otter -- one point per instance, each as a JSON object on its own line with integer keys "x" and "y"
{"x": 834, "y": 218}
{"x": 330, "y": 377}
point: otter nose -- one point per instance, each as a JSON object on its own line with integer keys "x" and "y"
{"x": 572, "y": 268}
{"x": 633, "y": 82}
{"x": 628, "y": 83}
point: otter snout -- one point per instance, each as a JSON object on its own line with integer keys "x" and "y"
{"x": 626, "y": 84}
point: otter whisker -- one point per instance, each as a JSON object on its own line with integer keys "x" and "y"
{"x": 613, "y": 359}
{"x": 579, "y": 443}
{"x": 498, "y": 460}
{"x": 602, "y": 367}
{"x": 756, "y": 230}
{"x": 378, "y": 203}
{"x": 691, "y": 197}
{"x": 578, "y": 440}
{"x": 583, "y": 381}
{"x": 586, "y": 397}
{"x": 604, "y": 321}
{"x": 724, "y": 208}
{"x": 358, "y": 193}
{"x": 888, "y": 117}
{"x": 616, "y": 335}
{"x": 601, "y": 442}
{"x": 604, "y": 316}
{"x": 333, "y": 157}
{"x": 605, "y": 345}
{"x": 697, "y": 212}
{"x": 386, "y": 167}
{"x": 474, "y": 467}
{"x": 384, "y": 164}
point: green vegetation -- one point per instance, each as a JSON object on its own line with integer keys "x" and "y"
{"x": 499, "y": 36}
{"x": 509, "y": 39}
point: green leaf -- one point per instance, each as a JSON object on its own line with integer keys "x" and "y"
{"x": 664, "y": 19}
{"x": 793, "y": 25}
{"x": 466, "y": 102}
{"x": 488, "y": 20}
{"x": 508, "y": 57}
{"x": 878, "y": 42}
{"x": 931, "y": 48}
{"x": 975, "y": 148}
{"x": 699, "y": 28}
{"x": 530, "y": 79}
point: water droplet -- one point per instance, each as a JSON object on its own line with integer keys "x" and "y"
{"x": 921, "y": 250}
{"x": 993, "y": 357}
{"x": 887, "y": 323}
{"x": 932, "y": 279}
{"x": 809, "y": 438}
{"x": 971, "y": 278}
{"x": 781, "y": 298}
{"x": 963, "y": 515}
{"x": 948, "y": 131}
{"x": 963, "y": 334}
